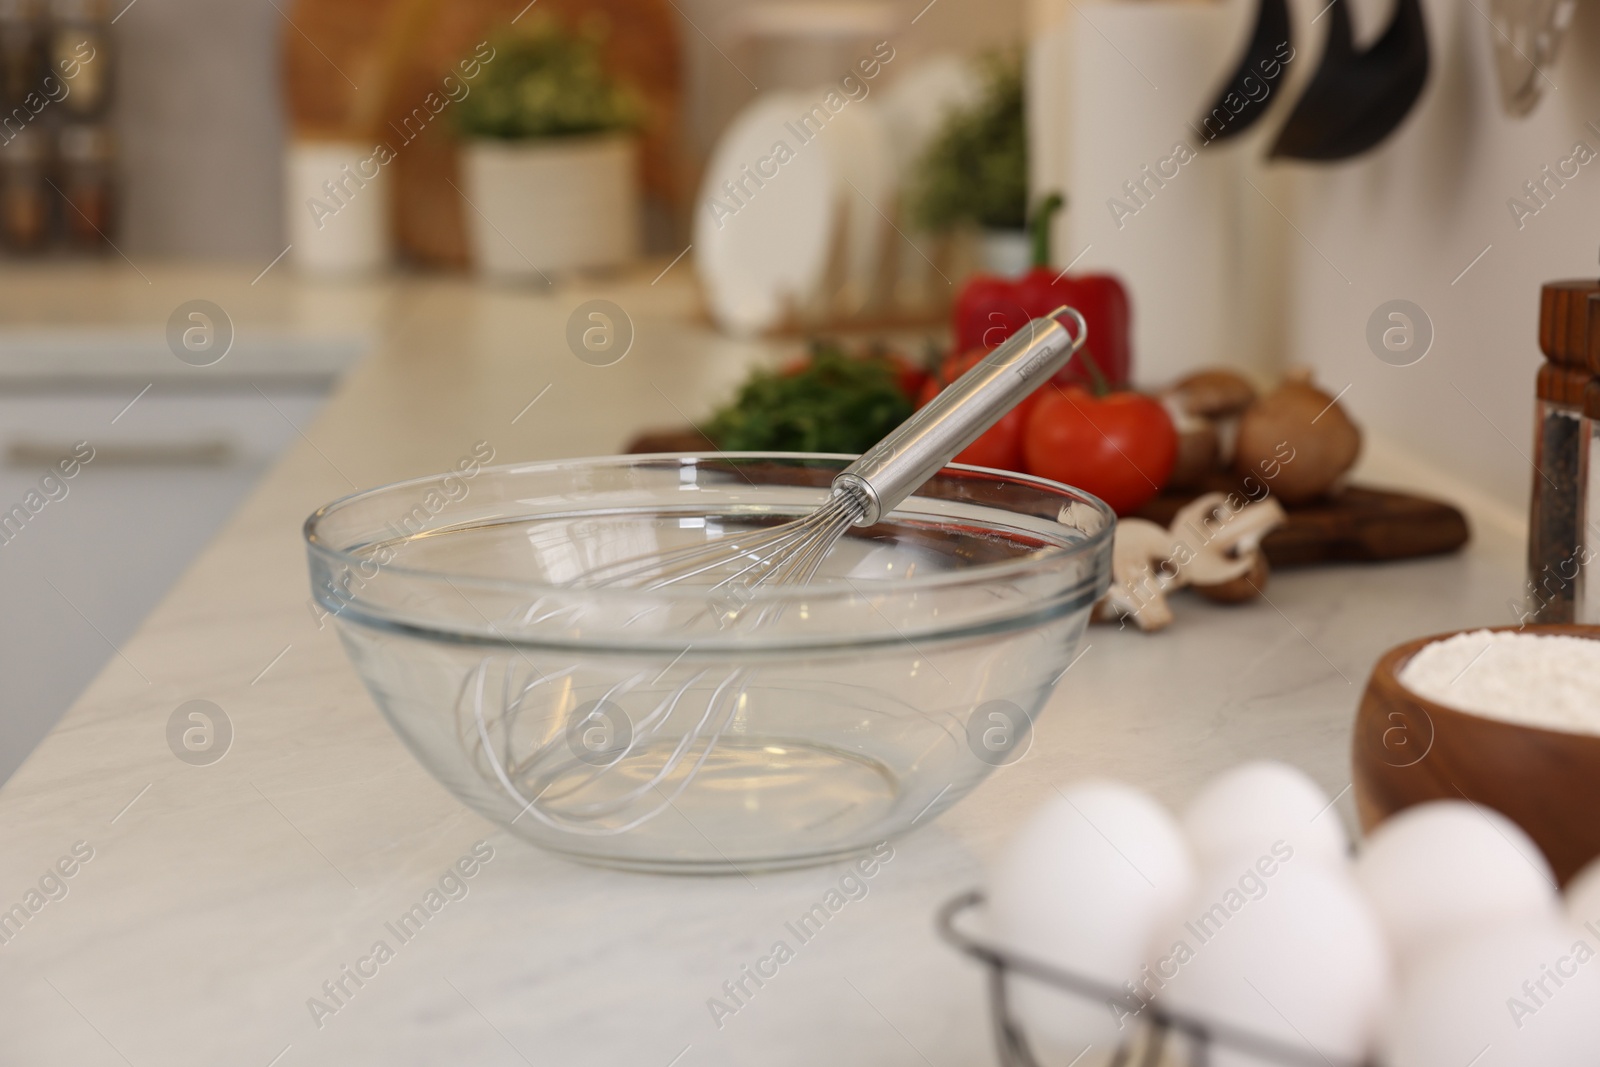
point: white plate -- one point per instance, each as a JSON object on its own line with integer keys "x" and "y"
{"x": 765, "y": 250}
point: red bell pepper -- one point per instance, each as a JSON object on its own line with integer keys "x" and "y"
{"x": 991, "y": 308}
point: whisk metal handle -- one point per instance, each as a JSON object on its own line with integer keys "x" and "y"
{"x": 918, "y": 448}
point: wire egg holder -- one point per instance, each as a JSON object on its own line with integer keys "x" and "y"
{"x": 1149, "y": 1042}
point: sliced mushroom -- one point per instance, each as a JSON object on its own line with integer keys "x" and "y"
{"x": 1224, "y": 543}
{"x": 1247, "y": 586}
{"x": 1211, "y": 545}
{"x": 1142, "y": 570}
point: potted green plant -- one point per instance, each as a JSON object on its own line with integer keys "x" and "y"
{"x": 975, "y": 171}
{"x": 550, "y": 160}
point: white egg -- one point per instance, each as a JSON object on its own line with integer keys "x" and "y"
{"x": 1084, "y": 886}
{"x": 1285, "y": 949}
{"x": 1583, "y": 899}
{"x": 1525, "y": 994}
{"x": 1242, "y": 812}
{"x": 1447, "y": 867}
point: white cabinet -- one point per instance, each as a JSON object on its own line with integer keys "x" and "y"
{"x": 84, "y": 559}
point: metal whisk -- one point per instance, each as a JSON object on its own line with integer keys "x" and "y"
{"x": 786, "y": 554}
{"x": 875, "y": 484}
{"x": 730, "y": 568}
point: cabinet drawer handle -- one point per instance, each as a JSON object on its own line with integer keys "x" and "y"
{"x": 215, "y": 452}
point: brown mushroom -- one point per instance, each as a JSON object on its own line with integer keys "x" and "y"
{"x": 1205, "y": 408}
{"x": 1198, "y": 444}
{"x": 1297, "y": 439}
{"x": 1214, "y": 393}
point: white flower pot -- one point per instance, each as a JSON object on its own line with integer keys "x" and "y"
{"x": 551, "y": 205}
{"x": 1008, "y": 253}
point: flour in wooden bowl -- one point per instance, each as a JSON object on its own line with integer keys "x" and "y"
{"x": 1548, "y": 680}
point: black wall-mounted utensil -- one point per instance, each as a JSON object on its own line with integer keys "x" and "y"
{"x": 1245, "y": 95}
{"x": 1356, "y": 99}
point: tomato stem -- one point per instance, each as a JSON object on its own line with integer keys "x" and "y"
{"x": 1097, "y": 377}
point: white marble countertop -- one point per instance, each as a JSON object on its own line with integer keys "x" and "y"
{"x": 220, "y": 898}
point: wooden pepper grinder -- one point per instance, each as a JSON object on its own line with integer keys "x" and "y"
{"x": 1555, "y": 545}
{"x": 1586, "y": 605}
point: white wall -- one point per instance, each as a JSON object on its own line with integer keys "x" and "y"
{"x": 1406, "y": 222}
{"x": 1114, "y": 88}
{"x": 1318, "y": 248}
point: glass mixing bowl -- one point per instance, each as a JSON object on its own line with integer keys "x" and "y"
{"x": 684, "y": 729}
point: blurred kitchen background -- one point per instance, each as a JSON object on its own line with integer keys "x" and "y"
{"x": 1296, "y": 255}
{"x": 207, "y": 139}
{"x": 202, "y": 105}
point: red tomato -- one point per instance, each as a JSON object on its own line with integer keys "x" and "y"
{"x": 1001, "y": 444}
{"x": 1120, "y": 447}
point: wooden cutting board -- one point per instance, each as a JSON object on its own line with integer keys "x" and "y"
{"x": 1359, "y": 525}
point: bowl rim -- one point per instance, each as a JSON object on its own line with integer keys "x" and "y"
{"x": 982, "y": 572}
{"x": 1386, "y": 677}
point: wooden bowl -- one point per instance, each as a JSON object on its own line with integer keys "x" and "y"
{"x": 1407, "y": 750}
